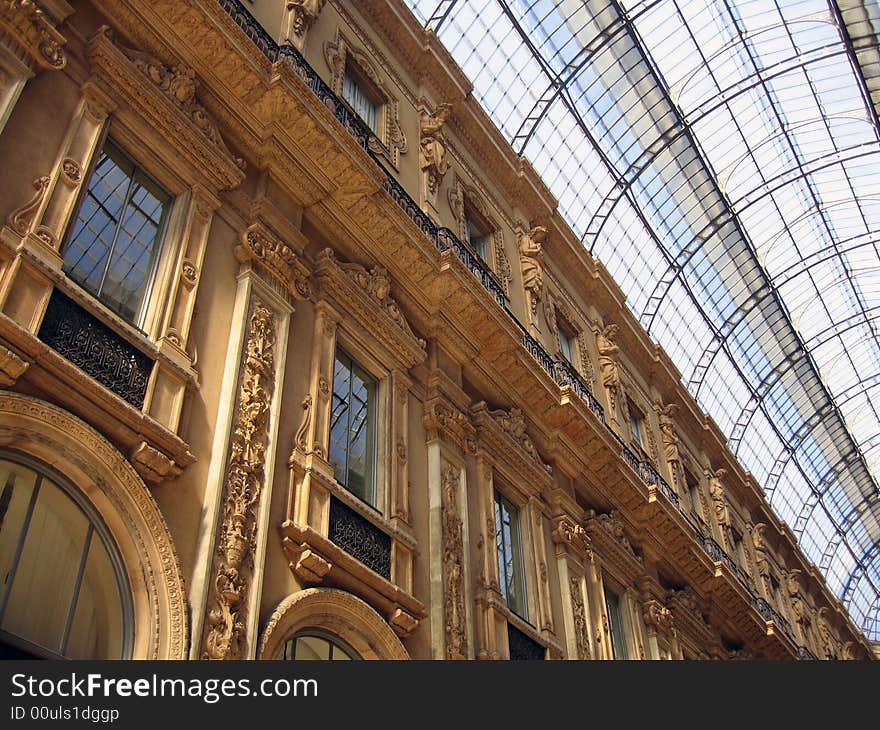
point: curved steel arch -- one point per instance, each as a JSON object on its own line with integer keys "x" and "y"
{"x": 703, "y": 208}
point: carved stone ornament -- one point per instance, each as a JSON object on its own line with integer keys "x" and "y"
{"x": 531, "y": 259}
{"x": 241, "y": 491}
{"x": 513, "y": 422}
{"x": 443, "y": 419}
{"x": 303, "y": 13}
{"x": 165, "y": 96}
{"x": 830, "y": 644}
{"x": 581, "y": 636}
{"x": 153, "y": 466}
{"x": 799, "y": 608}
{"x": 568, "y": 533}
{"x": 300, "y": 441}
{"x": 275, "y": 258}
{"x": 759, "y": 542}
{"x": 29, "y": 24}
{"x": 658, "y": 617}
{"x": 363, "y": 292}
{"x": 432, "y": 147}
{"x": 21, "y": 219}
{"x": 613, "y": 525}
{"x": 12, "y": 367}
{"x": 453, "y": 565}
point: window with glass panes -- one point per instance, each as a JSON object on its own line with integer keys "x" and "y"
{"x": 693, "y": 493}
{"x": 315, "y": 645}
{"x": 63, "y": 593}
{"x": 353, "y": 428}
{"x": 615, "y": 623}
{"x": 508, "y": 542}
{"x": 636, "y": 422}
{"x": 476, "y": 235}
{"x": 355, "y": 92}
{"x": 114, "y": 242}
{"x": 565, "y": 344}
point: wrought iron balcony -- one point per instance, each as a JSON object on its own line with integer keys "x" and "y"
{"x": 522, "y": 646}
{"x": 446, "y": 239}
{"x": 565, "y": 374}
{"x": 717, "y": 553}
{"x": 95, "y": 349}
{"x": 650, "y": 475}
{"x": 360, "y": 538}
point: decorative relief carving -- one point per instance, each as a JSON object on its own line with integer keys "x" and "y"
{"x": 242, "y": 487}
{"x": 513, "y": 422}
{"x": 567, "y": 532}
{"x": 444, "y": 419}
{"x": 658, "y": 617}
{"x": 299, "y": 441}
{"x": 276, "y": 259}
{"x": 12, "y": 367}
{"x": 799, "y": 608}
{"x": 830, "y": 645}
{"x": 26, "y": 21}
{"x": 531, "y": 259}
{"x": 581, "y": 637}
{"x": 453, "y": 565}
{"x": 303, "y": 13}
{"x": 189, "y": 274}
{"x": 613, "y": 525}
{"x": 432, "y": 147}
{"x": 71, "y": 172}
{"x": 21, "y": 219}
{"x": 179, "y": 84}
{"x": 759, "y": 542}
{"x": 153, "y": 466}
{"x": 377, "y": 284}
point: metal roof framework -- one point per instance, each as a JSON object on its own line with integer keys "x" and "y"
{"x": 720, "y": 158}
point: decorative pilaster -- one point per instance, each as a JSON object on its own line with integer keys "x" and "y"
{"x": 453, "y": 565}
{"x": 243, "y": 483}
{"x": 573, "y": 550}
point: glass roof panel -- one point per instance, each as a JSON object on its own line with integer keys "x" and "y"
{"x": 744, "y": 233}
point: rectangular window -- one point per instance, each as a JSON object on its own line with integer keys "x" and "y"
{"x": 565, "y": 344}
{"x": 476, "y": 236}
{"x": 508, "y": 541}
{"x": 693, "y": 493}
{"x": 355, "y": 93}
{"x": 353, "y": 428}
{"x": 114, "y": 243}
{"x": 636, "y": 420}
{"x": 615, "y": 623}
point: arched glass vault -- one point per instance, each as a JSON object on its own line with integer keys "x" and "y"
{"x": 720, "y": 157}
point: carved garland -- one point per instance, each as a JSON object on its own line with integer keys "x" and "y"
{"x": 453, "y": 566}
{"x": 244, "y": 481}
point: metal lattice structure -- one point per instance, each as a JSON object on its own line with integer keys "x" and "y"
{"x": 720, "y": 158}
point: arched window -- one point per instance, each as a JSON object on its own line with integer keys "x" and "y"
{"x": 316, "y": 644}
{"x": 63, "y": 591}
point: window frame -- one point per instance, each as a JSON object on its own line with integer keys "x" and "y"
{"x": 373, "y": 427}
{"x": 316, "y": 632}
{"x": 367, "y": 87}
{"x": 169, "y": 208}
{"x": 617, "y": 638}
{"x": 96, "y": 527}
{"x": 637, "y": 423}
{"x": 517, "y": 542}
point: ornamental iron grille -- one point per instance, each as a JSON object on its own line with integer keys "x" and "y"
{"x": 522, "y": 646}
{"x": 360, "y": 538}
{"x": 96, "y": 349}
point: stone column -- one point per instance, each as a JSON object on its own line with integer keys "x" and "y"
{"x": 231, "y": 548}
{"x": 573, "y": 549}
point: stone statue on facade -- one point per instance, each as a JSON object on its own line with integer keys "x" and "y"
{"x": 303, "y": 13}
{"x": 609, "y": 353}
{"x": 432, "y": 147}
{"x": 670, "y": 439}
{"x": 531, "y": 258}
{"x": 716, "y": 491}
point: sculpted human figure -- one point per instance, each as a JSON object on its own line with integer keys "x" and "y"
{"x": 670, "y": 438}
{"x": 716, "y": 491}
{"x": 531, "y": 258}
{"x": 432, "y": 145}
{"x": 608, "y": 356}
